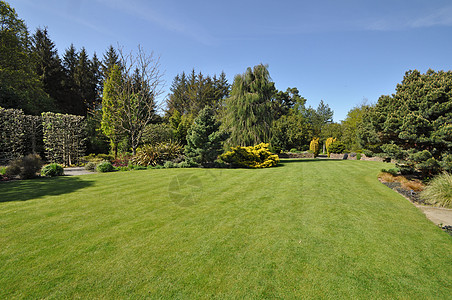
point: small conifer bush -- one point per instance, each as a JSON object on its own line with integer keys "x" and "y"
{"x": 254, "y": 157}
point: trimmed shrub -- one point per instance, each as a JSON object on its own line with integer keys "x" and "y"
{"x": 250, "y": 157}
{"x": 439, "y": 191}
{"x": 25, "y": 167}
{"x": 52, "y": 170}
{"x": 336, "y": 147}
{"x": 105, "y": 166}
{"x": 314, "y": 146}
{"x": 358, "y": 156}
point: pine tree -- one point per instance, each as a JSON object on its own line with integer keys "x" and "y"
{"x": 48, "y": 65}
{"x": 110, "y": 59}
{"x": 204, "y": 139}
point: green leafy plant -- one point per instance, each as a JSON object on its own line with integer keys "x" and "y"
{"x": 105, "y": 166}
{"x": 358, "y": 156}
{"x": 393, "y": 172}
{"x": 25, "y": 167}
{"x": 439, "y": 191}
{"x": 250, "y": 157}
{"x": 52, "y": 170}
{"x": 152, "y": 155}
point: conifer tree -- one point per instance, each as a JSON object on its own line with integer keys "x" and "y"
{"x": 204, "y": 139}
{"x": 249, "y": 112}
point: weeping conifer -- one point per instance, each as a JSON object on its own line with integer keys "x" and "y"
{"x": 248, "y": 111}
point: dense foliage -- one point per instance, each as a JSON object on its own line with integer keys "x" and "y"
{"x": 255, "y": 157}
{"x": 157, "y": 154}
{"x": 52, "y": 170}
{"x": 204, "y": 139}
{"x": 415, "y": 124}
{"x": 25, "y": 167}
{"x": 64, "y": 138}
{"x": 248, "y": 111}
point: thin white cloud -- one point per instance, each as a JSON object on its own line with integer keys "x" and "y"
{"x": 440, "y": 17}
{"x": 143, "y": 12}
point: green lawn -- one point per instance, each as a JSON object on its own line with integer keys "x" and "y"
{"x": 314, "y": 228}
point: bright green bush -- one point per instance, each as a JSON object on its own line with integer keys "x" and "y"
{"x": 250, "y": 157}
{"x": 105, "y": 166}
{"x": 52, "y": 170}
{"x": 25, "y": 167}
{"x": 439, "y": 191}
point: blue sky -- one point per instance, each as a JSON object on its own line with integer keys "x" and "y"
{"x": 339, "y": 51}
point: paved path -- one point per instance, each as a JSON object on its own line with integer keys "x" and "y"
{"x": 437, "y": 215}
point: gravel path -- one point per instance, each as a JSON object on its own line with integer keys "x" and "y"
{"x": 76, "y": 171}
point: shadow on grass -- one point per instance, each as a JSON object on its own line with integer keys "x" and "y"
{"x": 23, "y": 190}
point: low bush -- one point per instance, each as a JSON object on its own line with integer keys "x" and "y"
{"x": 152, "y": 155}
{"x": 97, "y": 158}
{"x": 250, "y": 157}
{"x": 169, "y": 164}
{"x": 122, "y": 160}
{"x": 105, "y": 166}
{"x": 439, "y": 191}
{"x": 336, "y": 147}
{"x": 2, "y": 170}
{"x": 52, "y": 170}
{"x": 368, "y": 153}
{"x": 91, "y": 166}
{"x": 358, "y": 156}
{"x": 25, "y": 167}
{"x": 183, "y": 164}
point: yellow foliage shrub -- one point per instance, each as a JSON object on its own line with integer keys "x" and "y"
{"x": 254, "y": 157}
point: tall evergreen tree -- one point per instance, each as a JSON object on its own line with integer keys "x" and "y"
{"x": 110, "y": 59}
{"x": 71, "y": 100}
{"x": 84, "y": 84}
{"x": 48, "y": 65}
{"x": 190, "y": 94}
{"x": 20, "y": 86}
{"x": 249, "y": 114}
{"x": 204, "y": 139}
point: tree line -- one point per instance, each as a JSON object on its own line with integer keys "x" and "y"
{"x": 118, "y": 96}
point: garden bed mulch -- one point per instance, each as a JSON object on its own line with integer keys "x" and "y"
{"x": 439, "y": 216}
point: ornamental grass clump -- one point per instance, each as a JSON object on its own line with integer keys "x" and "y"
{"x": 254, "y": 157}
{"x": 439, "y": 191}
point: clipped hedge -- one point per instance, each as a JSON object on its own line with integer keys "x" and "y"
{"x": 64, "y": 138}
{"x": 254, "y": 157}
